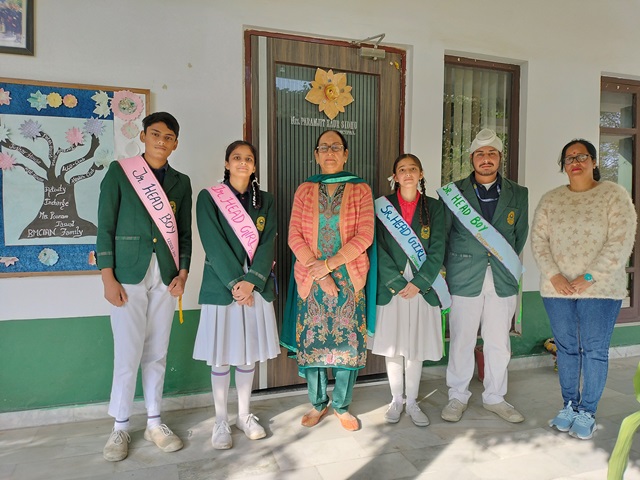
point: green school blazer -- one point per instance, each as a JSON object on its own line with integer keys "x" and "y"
{"x": 392, "y": 260}
{"x": 466, "y": 259}
{"x": 225, "y": 255}
{"x": 127, "y": 236}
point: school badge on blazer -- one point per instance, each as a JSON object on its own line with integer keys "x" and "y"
{"x": 425, "y": 232}
{"x": 511, "y": 217}
{"x": 260, "y": 221}
{"x": 173, "y": 206}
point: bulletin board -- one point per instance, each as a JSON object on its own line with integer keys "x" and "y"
{"x": 56, "y": 143}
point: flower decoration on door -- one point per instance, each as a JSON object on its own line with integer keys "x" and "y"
{"x": 330, "y": 92}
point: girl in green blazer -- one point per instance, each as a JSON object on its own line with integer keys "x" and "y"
{"x": 237, "y": 321}
{"x": 408, "y": 321}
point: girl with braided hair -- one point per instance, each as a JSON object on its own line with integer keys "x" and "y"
{"x": 237, "y": 226}
{"x": 408, "y": 319}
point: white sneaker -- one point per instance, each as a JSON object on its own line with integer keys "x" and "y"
{"x": 163, "y": 437}
{"x": 418, "y": 417}
{"x": 506, "y": 411}
{"x": 392, "y": 415}
{"x": 453, "y": 411}
{"x": 117, "y": 447}
{"x": 221, "y": 438}
{"x": 250, "y": 426}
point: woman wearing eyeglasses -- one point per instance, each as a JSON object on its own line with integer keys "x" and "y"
{"x": 332, "y": 225}
{"x": 582, "y": 236}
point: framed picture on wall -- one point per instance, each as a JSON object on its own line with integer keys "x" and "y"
{"x": 16, "y": 27}
{"x": 56, "y": 143}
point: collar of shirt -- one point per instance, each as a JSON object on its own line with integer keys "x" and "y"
{"x": 493, "y": 192}
{"x": 161, "y": 172}
{"x": 407, "y": 209}
{"x": 488, "y": 198}
{"x": 242, "y": 197}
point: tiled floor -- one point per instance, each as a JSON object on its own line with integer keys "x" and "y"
{"x": 481, "y": 446}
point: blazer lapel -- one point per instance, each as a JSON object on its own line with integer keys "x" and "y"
{"x": 170, "y": 180}
{"x": 506, "y": 194}
{"x": 466, "y": 187}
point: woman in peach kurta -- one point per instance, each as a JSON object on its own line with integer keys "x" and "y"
{"x": 332, "y": 225}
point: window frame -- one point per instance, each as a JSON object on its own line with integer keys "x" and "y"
{"x": 514, "y": 114}
{"x": 630, "y": 314}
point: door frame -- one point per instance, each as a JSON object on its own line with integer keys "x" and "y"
{"x": 251, "y": 66}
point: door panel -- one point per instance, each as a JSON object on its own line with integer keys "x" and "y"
{"x": 287, "y": 131}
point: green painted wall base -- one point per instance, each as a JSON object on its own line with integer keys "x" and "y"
{"x": 69, "y": 361}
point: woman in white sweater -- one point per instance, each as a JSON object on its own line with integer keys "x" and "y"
{"x": 582, "y": 236}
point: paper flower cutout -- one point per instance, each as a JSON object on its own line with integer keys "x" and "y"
{"x": 130, "y": 130}
{"x": 30, "y": 129}
{"x": 94, "y": 126}
{"x": 8, "y": 261}
{"x": 103, "y": 157}
{"x": 102, "y": 110}
{"x": 38, "y": 100}
{"x": 48, "y": 257}
{"x": 5, "y": 133}
{"x": 5, "y": 99}
{"x": 330, "y": 92}
{"x": 102, "y": 104}
{"x": 6, "y": 161}
{"x": 100, "y": 97}
{"x": 70, "y": 101}
{"x": 92, "y": 258}
{"x": 74, "y": 136}
{"x": 126, "y": 105}
{"x": 54, "y": 99}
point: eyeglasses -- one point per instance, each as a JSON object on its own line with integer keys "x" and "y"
{"x": 581, "y": 158}
{"x": 336, "y": 147}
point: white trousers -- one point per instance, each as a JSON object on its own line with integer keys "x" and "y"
{"x": 141, "y": 329}
{"x": 493, "y": 314}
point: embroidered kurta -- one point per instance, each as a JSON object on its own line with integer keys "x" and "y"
{"x": 331, "y": 331}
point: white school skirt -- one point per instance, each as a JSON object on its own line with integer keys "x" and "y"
{"x": 411, "y": 328}
{"x": 237, "y": 335}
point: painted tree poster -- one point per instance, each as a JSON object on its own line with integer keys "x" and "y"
{"x": 56, "y": 142}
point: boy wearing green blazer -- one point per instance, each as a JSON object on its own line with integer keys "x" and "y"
{"x": 143, "y": 273}
{"x": 483, "y": 288}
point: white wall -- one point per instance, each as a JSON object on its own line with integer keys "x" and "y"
{"x": 190, "y": 54}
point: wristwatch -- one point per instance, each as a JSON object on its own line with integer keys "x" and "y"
{"x": 589, "y": 278}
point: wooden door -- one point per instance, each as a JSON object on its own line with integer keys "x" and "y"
{"x": 284, "y": 126}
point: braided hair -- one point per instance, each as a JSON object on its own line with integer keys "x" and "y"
{"x": 254, "y": 186}
{"x": 425, "y": 218}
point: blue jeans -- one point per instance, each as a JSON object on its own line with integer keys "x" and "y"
{"x": 582, "y": 330}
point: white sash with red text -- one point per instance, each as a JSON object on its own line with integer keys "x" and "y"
{"x": 154, "y": 199}
{"x": 237, "y": 216}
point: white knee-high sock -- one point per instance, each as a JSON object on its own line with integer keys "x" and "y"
{"x": 244, "y": 384}
{"x": 220, "y": 379}
{"x": 395, "y": 372}
{"x": 413, "y": 373}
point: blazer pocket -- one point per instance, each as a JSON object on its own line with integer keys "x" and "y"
{"x": 127, "y": 250}
{"x": 458, "y": 262}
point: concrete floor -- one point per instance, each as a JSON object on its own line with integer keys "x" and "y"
{"x": 480, "y": 446}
